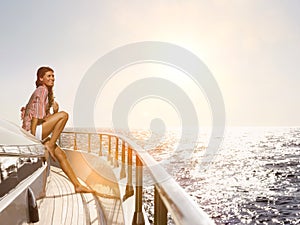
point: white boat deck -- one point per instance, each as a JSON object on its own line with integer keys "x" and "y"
{"x": 62, "y": 205}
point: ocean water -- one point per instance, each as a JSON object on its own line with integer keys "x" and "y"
{"x": 254, "y": 178}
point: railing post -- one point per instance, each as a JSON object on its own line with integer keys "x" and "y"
{"x": 122, "y": 172}
{"x": 129, "y": 188}
{"x": 109, "y": 158}
{"x": 75, "y": 142}
{"x": 100, "y": 150}
{"x": 116, "y": 163}
{"x": 160, "y": 210}
{"x": 89, "y": 142}
{"x": 138, "y": 217}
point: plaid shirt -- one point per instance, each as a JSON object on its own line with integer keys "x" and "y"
{"x": 36, "y": 107}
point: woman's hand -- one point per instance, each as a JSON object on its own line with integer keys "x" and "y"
{"x": 55, "y": 107}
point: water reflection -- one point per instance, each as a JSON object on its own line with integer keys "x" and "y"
{"x": 254, "y": 178}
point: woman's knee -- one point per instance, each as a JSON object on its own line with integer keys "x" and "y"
{"x": 64, "y": 115}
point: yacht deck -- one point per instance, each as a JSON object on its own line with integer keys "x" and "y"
{"x": 62, "y": 205}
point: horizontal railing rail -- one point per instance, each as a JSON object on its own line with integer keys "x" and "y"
{"x": 35, "y": 150}
{"x": 169, "y": 197}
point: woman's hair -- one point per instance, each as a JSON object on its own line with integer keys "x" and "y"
{"x": 40, "y": 73}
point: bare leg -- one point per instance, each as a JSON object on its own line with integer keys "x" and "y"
{"x": 54, "y": 124}
{"x": 60, "y": 155}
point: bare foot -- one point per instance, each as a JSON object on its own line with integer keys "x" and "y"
{"x": 83, "y": 189}
{"x": 50, "y": 149}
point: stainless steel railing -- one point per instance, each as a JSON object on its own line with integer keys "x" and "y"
{"x": 34, "y": 150}
{"x": 17, "y": 162}
{"x": 168, "y": 195}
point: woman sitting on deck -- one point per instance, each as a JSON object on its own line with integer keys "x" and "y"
{"x": 38, "y": 120}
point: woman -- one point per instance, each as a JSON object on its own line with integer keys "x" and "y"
{"x": 38, "y": 120}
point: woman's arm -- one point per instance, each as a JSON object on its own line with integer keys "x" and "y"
{"x": 55, "y": 107}
{"x": 34, "y": 123}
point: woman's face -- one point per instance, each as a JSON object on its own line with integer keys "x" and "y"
{"x": 48, "y": 79}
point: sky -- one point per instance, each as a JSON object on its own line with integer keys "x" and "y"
{"x": 251, "y": 47}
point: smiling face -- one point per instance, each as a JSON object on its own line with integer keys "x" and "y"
{"x": 48, "y": 79}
